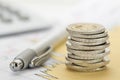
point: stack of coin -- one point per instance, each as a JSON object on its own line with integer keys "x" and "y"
{"x": 87, "y": 47}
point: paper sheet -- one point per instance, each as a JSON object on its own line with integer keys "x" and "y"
{"x": 54, "y": 68}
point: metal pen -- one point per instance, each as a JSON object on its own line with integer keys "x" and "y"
{"x": 38, "y": 54}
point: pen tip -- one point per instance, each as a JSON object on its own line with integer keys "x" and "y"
{"x": 16, "y": 65}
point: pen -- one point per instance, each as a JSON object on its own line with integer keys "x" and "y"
{"x": 38, "y": 54}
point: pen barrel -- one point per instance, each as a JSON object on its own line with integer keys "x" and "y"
{"x": 52, "y": 39}
{"x": 26, "y": 56}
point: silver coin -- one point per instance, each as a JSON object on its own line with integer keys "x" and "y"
{"x": 77, "y": 43}
{"x": 89, "y": 56}
{"x": 81, "y": 61}
{"x": 85, "y": 28}
{"x": 82, "y": 69}
{"x": 81, "y": 47}
{"x": 102, "y": 39}
{"x": 92, "y": 36}
{"x": 85, "y": 52}
{"x": 91, "y": 65}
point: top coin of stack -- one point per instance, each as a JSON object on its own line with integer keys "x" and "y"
{"x": 77, "y": 30}
{"x": 87, "y": 47}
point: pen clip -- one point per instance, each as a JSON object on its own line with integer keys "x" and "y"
{"x": 38, "y": 60}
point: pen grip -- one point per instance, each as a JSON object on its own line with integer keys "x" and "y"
{"x": 26, "y": 56}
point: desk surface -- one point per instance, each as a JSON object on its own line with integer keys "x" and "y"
{"x": 111, "y": 73}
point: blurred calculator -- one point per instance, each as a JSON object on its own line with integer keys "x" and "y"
{"x": 14, "y": 20}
